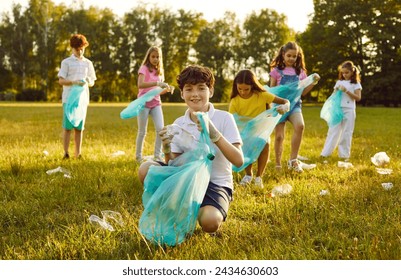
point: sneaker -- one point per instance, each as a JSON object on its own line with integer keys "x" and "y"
{"x": 258, "y": 182}
{"x": 246, "y": 180}
{"x": 295, "y": 165}
{"x": 66, "y": 156}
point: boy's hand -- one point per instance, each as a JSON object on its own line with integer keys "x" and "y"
{"x": 79, "y": 82}
{"x": 214, "y": 134}
{"x": 166, "y": 140}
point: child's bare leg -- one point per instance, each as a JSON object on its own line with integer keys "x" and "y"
{"x": 78, "y": 141}
{"x": 66, "y": 140}
{"x": 278, "y": 142}
{"x": 143, "y": 170}
{"x": 297, "y": 121}
{"x": 262, "y": 160}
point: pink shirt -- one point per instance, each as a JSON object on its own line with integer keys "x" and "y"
{"x": 287, "y": 71}
{"x": 150, "y": 77}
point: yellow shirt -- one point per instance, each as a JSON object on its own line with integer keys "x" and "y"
{"x": 252, "y": 106}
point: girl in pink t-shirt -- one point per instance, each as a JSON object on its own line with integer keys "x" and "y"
{"x": 150, "y": 75}
{"x": 289, "y": 66}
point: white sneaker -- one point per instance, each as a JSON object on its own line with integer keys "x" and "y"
{"x": 258, "y": 182}
{"x": 246, "y": 180}
{"x": 295, "y": 165}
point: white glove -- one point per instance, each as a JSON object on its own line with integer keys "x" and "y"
{"x": 214, "y": 134}
{"x": 283, "y": 108}
{"x": 162, "y": 84}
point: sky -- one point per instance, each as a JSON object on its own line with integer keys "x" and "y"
{"x": 297, "y": 11}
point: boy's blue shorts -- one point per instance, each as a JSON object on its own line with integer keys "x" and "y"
{"x": 67, "y": 125}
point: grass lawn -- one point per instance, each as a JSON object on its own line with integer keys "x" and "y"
{"x": 47, "y": 216}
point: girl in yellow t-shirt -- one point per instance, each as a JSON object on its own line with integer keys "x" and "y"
{"x": 249, "y": 99}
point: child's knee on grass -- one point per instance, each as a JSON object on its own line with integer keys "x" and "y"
{"x": 210, "y": 219}
{"x": 143, "y": 170}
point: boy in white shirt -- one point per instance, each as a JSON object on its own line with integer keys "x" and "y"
{"x": 75, "y": 70}
{"x": 197, "y": 86}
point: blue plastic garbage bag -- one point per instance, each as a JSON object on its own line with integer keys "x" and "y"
{"x": 331, "y": 111}
{"x": 77, "y": 104}
{"x": 135, "y": 107}
{"x": 255, "y": 133}
{"x": 173, "y": 194}
{"x": 291, "y": 91}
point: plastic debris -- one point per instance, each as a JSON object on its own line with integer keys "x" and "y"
{"x": 344, "y": 164}
{"x": 45, "y": 153}
{"x": 118, "y": 153}
{"x": 307, "y": 166}
{"x": 184, "y": 139}
{"x": 101, "y": 222}
{"x": 324, "y": 192}
{"x": 387, "y": 186}
{"x": 384, "y": 171}
{"x": 380, "y": 159}
{"x": 67, "y": 173}
{"x": 105, "y": 222}
{"x": 281, "y": 190}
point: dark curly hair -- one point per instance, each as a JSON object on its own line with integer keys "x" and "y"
{"x": 195, "y": 74}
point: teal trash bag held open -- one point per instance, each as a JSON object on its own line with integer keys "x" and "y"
{"x": 77, "y": 105}
{"x": 255, "y": 133}
{"x": 173, "y": 194}
{"x": 331, "y": 111}
{"x": 291, "y": 91}
{"x": 135, "y": 107}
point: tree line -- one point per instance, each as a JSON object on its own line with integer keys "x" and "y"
{"x": 34, "y": 40}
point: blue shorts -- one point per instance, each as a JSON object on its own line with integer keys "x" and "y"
{"x": 67, "y": 125}
{"x": 218, "y": 197}
{"x": 297, "y": 109}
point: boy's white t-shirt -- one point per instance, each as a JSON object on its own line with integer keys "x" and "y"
{"x": 74, "y": 69}
{"x": 221, "y": 174}
{"x": 346, "y": 100}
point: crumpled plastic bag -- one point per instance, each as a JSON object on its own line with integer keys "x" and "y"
{"x": 77, "y": 105}
{"x": 380, "y": 159}
{"x": 331, "y": 111}
{"x": 135, "y": 107}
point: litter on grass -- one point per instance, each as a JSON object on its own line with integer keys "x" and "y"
{"x": 307, "y": 166}
{"x": 384, "y": 171}
{"x": 380, "y": 159}
{"x": 281, "y": 190}
{"x": 67, "y": 173}
{"x": 344, "y": 164}
{"x": 324, "y": 192}
{"x": 387, "y": 186}
{"x": 108, "y": 216}
{"x": 118, "y": 153}
{"x": 45, "y": 153}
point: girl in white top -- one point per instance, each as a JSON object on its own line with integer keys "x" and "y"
{"x": 341, "y": 134}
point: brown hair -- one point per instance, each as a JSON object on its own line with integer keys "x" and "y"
{"x": 195, "y": 74}
{"x": 78, "y": 41}
{"x": 299, "y": 64}
{"x": 355, "y": 78}
{"x": 247, "y": 77}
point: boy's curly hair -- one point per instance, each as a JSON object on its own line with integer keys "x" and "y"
{"x": 195, "y": 74}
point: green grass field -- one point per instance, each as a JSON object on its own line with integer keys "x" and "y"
{"x": 47, "y": 216}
